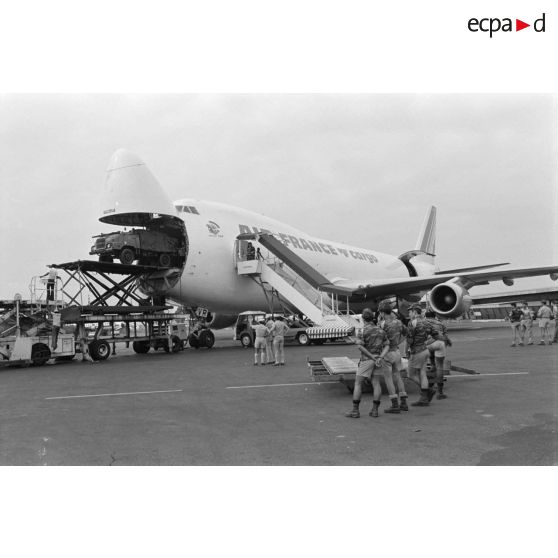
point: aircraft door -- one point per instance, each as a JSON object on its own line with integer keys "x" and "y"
{"x": 240, "y": 251}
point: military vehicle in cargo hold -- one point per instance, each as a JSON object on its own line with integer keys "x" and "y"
{"x": 149, "y": 247}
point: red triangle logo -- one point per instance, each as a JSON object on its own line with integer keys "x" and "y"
{"x": 519, "y": 25}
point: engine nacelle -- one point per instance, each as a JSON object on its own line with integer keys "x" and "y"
{"x": 220, "y": 321}
{"x": 449, "y": 299}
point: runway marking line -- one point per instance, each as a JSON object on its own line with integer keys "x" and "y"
{"x": 320, "y": 383}
{"x": 477, "y": 338}
{"x": 279, "y": 385}
{"x": 488, "y": 374}
{"x": 113, "y": 394}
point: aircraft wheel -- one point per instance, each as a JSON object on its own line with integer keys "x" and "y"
{"x": 127, "y": 256}
{"x": 141, "y": 347}
{"x": 207, "y": 338}
{"x": 40, "y": 354}
{"x": 246, "y": 340}
{"x": 99, "y": 350}
{"x": 194, "y": 341}
{"x": 303, "y": 339}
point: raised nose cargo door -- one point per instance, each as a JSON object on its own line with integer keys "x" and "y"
{"x": 133, "y": 197}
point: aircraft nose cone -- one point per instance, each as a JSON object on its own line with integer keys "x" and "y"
{"x": 123, "y": 158}
{"x": 131, "y": 192}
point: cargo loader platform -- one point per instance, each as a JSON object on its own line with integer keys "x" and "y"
{"x": 95, "y": 277}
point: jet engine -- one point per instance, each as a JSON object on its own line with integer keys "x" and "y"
{"x": 449, "y": 299}
{"x": 220, "y": 321}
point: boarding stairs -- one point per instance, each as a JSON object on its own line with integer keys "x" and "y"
{"x": 294, "y": 281}
{"x": 7, "y": 322}
{"x": 334, "y": 323}
{"x": 30, "y": 320}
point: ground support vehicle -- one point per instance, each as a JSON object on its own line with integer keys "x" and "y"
{"x": 119, "y": 310}
{"x": 298, "y": 332}
{"x": 201, "y": 337}
{"x": 26, "y": 334}
{"x": 104, "y": 327}
{"x": 144, "y": 327}
{"x": 343, "y": 369}
{"x": 136, "y": 318}
{"x": 35, "y": 350}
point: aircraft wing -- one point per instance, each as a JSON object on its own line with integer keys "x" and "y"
{"x": 374, "y": 288}
{"x": 464, "y": 269}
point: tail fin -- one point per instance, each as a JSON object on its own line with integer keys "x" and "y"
{"x": 422, "y": 260}
{"x": 426, "y": 241}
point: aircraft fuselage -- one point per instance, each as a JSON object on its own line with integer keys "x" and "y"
{"x": 210, "y": 279}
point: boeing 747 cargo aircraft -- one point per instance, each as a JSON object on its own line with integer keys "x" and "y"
{"x": 213, "y": 238}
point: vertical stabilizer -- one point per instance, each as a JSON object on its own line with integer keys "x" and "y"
{"x": 426, "y": 241}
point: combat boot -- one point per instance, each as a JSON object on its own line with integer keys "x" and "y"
{"x": 423, "y": 401}
{"x": 374, "y": 411}
{"x": 355, "y": 413}
{"x": 394, "y": 407}
{"x": 431, "y": 392}
{"x": 403, "y": 404}
{"x": 441, "y": 394}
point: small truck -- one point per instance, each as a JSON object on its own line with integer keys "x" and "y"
{"x": 299, "y": 331}
{"x": 148, "y": 246}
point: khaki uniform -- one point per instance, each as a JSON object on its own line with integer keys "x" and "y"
{"x": 278, "y": 331}
{"x": 437, "y": 346}
{"x": 526, "y": 324}
{"x": 374, "y": 339}
{"x": 270, "y": 356}
{"x": 394, "y": 331}
{"x": 260, "y": 332}
{"x": 417, "y": 335}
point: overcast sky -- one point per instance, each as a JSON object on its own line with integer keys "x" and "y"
{"x": 360, "y": 169}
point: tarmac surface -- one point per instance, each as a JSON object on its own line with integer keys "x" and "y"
{"x": 213, "y": 407}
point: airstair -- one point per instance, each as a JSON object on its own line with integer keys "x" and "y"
{"x": 293, "y": 281}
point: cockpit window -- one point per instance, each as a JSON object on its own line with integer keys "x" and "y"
{"x": 187, "y": 209}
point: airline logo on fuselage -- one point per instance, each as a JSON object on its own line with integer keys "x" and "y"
{"x": 213, "y": 228}
{"x": 310, "y": 245}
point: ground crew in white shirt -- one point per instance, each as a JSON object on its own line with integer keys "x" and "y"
{"x": 555, "y": 316}
{"x": 260, "y": 332}
{"x": 544, "y": 314}
{"x": 278, "y": 331}
{"x": 269, "y": 341}
{"x": 526, "y": 327}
